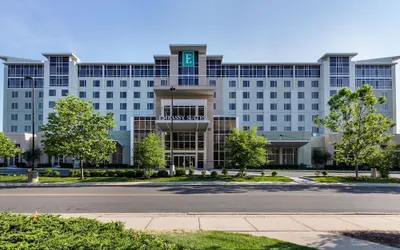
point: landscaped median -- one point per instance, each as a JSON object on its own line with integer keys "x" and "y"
{"x": 52, "y": 232}
{"x": 352, "y": 179}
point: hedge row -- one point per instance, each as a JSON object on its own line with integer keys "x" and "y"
{"x": 113, "y": 173}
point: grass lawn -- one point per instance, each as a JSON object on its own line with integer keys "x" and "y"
{"x": 351, "y": 179}
{"x": 17, "y": 179}
{"x": 223, "y": 240}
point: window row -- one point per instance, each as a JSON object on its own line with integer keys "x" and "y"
{"x": 27, "y": 117}
{"x": 110, "y": 83}
{"x": 25, "y": 70}
{"x": 273, "y": 95}
{"x": 123, "y": 106}
{"x": 375, "y": 83}
{"x": 373, "y": 71}
{"x": 21, "y": 83}
{"x": 109, "y": 94}
{"x": 274, "y": 118}
{"x": 273, "y": 84}
{"x": 28, "y": 94}
{"x": 274, "y": 106}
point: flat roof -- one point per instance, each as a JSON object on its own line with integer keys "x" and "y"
{"x": 47, "y": 55}
{"x": 326, "y": 55}
{"x": 175, "y": 48}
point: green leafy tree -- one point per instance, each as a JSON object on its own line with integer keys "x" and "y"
{"x": 320, "y": 156}
{"x": 150, "y": 152}
{"x": 383, "y": 158}
{"x": 76, "y": 130}
{"x": 353, "y": 114}
{"x": 8, "y": 148}
{"x": 28, "y": 154}
{"x": 246, "y": 149}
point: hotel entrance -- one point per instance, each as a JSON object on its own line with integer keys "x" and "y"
{"x": 185, "y": 160}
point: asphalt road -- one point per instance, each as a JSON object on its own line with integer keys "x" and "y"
{"x": 273, "y": 199}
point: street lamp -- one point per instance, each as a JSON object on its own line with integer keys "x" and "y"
{"x": 172, "y": 167}
{"x": 33, "y": 119}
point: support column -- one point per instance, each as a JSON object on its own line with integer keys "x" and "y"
{"x": 53, "y": 159}
{"x": 280, "y": 156}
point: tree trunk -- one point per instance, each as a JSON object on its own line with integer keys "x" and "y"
{"x": 81, "y": 167}
{"x": 357, "y": 171}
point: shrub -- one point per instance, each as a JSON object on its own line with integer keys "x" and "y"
{"x": 162, "y": 173}
{"x": 46, "y": 173}
{"x": 224, "y": 172}
{"x": 214, "y": 174}
{"x": 262, "y": 173}
{"x": 180, "y": 172}
{"x": 191, "y": 172}
{"x": 112, "y": 173}
{"x": 147, "y": 174}
{"x": 274, "y": 173}
{"x": 153, "y": 173}
{"x": 55, "y": 174}
{"x": 66, "y": 165}
{"x": 42, "y": 165}
{"x": 203, "y": 173}
{"x": 74, "y": 173}
{"x": 324, "y": 173}
{"x": 86, "y": 173}
{"x": 130, "y": 173}
{"x": 317, "y": 173}
{"x": 98, "y": 173}
{"x": 139, "y": 173}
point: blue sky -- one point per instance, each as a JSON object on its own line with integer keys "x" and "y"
{"x": 242, "y": 31}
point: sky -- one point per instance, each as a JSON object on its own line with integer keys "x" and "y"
{"x": 241, "y": 31}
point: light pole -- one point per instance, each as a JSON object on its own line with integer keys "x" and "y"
{"x": 33, "y": 119}
{"x": 172, "y": 167}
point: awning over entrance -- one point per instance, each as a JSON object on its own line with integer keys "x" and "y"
{"x": 183, "y": 125}
{"x": 287, "y": 143}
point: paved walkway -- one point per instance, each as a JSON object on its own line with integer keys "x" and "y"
{"x": 314, "y": 230}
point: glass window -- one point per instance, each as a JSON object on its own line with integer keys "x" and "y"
{"x": 307, "y": 71}
{"x": 273, "y": 118}
{"x": 122, "y": 128}
{"x": 260, "y": 95}
{"x": 286, "y": 95}
{"x": 332, "y": 92}
{"x": 315, "y": 106}
{"x": 215, "y": 94}
{"x": 110, "y": 94}
{"x": 28, "y": 117}
{"x": 260, "y": 128}
{"x": 260, "y": 106}
{"x": 40, "y": 105}
{"x": 300, "y": 95}
{"x": 122, "y": 94}
{"x": 212, "y": 82}
{"x": 40, "y": 94}
{"x": 232, "y": 106}
{"x": 136, "y": 106}
{"x": 64, "y": 92}
{"x": 96, "y": 106}
{"x": 260, "y": 84}
{"x": 28, "y": 94}
{"x": 123, "y": 83}
{"x": 301, "y": 128}
{"x": 52, "y": 92}
{"x": 96, "y": 94}
{"x": 136, "y": 94}
{"x": 273, "y": 106}
{"x": 315, "y": 130}
{"x": 14, "y": 94}
{"x": 287, "y": 128}
{"x": 28, "y": 105}
{"x": 314, "y": 84}
{"x": 246, "y": 106}
{"x": 246, "y": 95}
{"x": 110, "y": 83}
{"x": 301, "y": 118}
{"x": 314, "y": 95}
{"x": 300, "y": 106}
{"x": 136, "y": 83}
{"x": 246, "y": 118}
{"x": 287, "y": 118}
{"x": 109, "y": 106}
{"x": 28, "y": 129}
{"x": 122, "y": 106}
{"x": 215, "y": 106}
{"x": 287, "y": 106}
{"x": 14, "y": 105}
{"x": 122, "y": 118}
{"x": 232, "y": 84}
{"x": 273, "y": 95}
{"x": 273, "y": 84}
{"x": 273, "y": 128}
{"x": 82, "y": 94}
{"x": 14, "y": 128}
{"x": 300, "y": 84}
{"x": 150, "y": 83}
{"x": 260, "y": 118}
{"x": 150, "y": 106}
{"x": 96, "y": 83}
{"x": 286, "y": 84}
{"x": 40, "y": 117}
{"x": 246, "y": 84}
{"x": 150, "y": 94}
{"x": 14, "y": 117}
{"x": 82, "y": 83}
{"x": 232, "y": 95}
{"x": 51, "y": 104}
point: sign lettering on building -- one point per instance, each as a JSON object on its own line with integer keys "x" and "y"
{"x": 182, "y": 117}
{"x": 188, "y": 58}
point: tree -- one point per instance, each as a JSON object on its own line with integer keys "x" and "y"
{"x": 76, "y": 130}
{"x": 383, "y": 158}
{"x": 354, "y": 116}
{"x": 320, "y": 156}
{"x": 28, "y": 154}
{"x": 150, "y": 152}
{"x": 8, "y": 148}
{"x": 246, "y": 148}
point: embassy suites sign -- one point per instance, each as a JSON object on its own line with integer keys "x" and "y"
{"x": 182, "y": 117}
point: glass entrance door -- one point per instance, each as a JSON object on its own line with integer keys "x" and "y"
{"x": 186, "y": 161}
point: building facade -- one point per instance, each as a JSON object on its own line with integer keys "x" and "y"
{"x": 198, "y": 96}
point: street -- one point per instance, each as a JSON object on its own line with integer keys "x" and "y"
{"x": 273, "y": 199}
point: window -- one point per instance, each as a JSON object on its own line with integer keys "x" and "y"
{"x": 287, "y": 118}
{"x": 273, "y": 118}
{"x": 52, "y": 92}
{"x": 215, "y": 94}
{"x": 314, "y": 84}
{"x": 110, "y": 94}
{"x": 214, "y": 106}
{"x": 14, "y": 117}
{"x": 315, "y": 106}
{"x": 287, "y": 106}
{"x": 110, "y": 83}
{"x": 246, "y": 84}
{"x": 300, "y": 95}
{"x": 375, "y": 83}
{"x": 14, "y": 94}
{"x": 122, "y": 106}
{"x": 163, "y": 83}
{"x": 96, "y": 94}
{"x": 287, "y": 128}
{"x": 286, "y": 84}
{"x": 109, "y": 106}
{"x": 136, "y": 83}
{"x": 252, "y": 71}
{"x": 307, "y": 71}
{"x": 150, "y": 84}
{"x": 246, "y": 128}
{"x": 246, "y": 118}
{"x": 96, "y": 106}
{"x": 273, "y": 128}
{"x": 246, "y": 95}
{"x": 28, "y": 94}
{"x": 260, "y": 118}
{"x": 14, "y": 128}
{"x": 300, "y": 84}
{"x": 232, "y": 84}
{"x": 232, "y": 106}
{"x": 28, "y": 105}
{"x": 301, "y": 128}
{"x": 339, "y": 65}
{"x": 28, "y": 117}
{"x": 260, "y": 84}
{"x": 40, "y": 117}
{"x": 385, "y": 106}
{"x": 232, "y": 95}
{"x": 301, "y": 106}
{"x": 339, "y": 81}
{"x": 301, "y": 118}
{"x": 273, "y": 106}
{"x": 280, "y": 71}
{"x": 14, "y": 105}
{"x": 82, "y": 94}
{"x": 246, "y": 106}
{"x": 150, "y": 106}
{"x": 96, "y": 83}
{"x": 40, "y": 94}
{"x": 273, "y": 95}
{"x": 122, "y": 118}
{"x": 123, "y": 83}
{"x": 212, "y": 82}
{"x": 82, "y": 83}
{"x": 150, "y": 94}
{"x": 52, "y": 104}
{"x": 136, "y": 94}
{"x": 90, "y": 70}
{"x": 273, "y": 84}
{"x": 313, "y": 117}
{"x": 314, "y": 95}
{"x": 374, "y": 71}
{"x": 40, "y": 105}
{"x": 136, "y": 106}
{"x": 315, "y": 130}
{"x": 122, "y": 128}
{"x": 28, "y": 129}
{"x": 260, "y": 128}
{"x": 122, "y": 94}
{"x": 260, "y": 106}
{"x": 286, "y": 95}
{"x": 64, "y": 92}
{"x": 332, "y": 92}
{"x": 260, "y": 95}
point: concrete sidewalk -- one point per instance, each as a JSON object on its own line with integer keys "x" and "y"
{"x": 313, "y": 230}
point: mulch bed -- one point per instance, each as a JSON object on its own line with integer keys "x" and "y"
{"x": 389, "y": 238}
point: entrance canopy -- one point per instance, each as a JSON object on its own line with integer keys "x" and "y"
{"x": 183, "y": 125}
{"x": 287, "y": 143}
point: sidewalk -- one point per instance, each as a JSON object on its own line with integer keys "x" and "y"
{"x": 313, "y": 230}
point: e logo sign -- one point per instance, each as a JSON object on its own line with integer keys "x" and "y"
{"x": 188, "y": 59}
